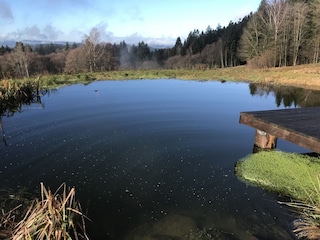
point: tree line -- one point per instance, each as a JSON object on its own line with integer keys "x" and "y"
{"x": 282, "y": 33}
{"x": 279, "y": 33}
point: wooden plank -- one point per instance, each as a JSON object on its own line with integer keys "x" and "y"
{"x": 300, "y": 126}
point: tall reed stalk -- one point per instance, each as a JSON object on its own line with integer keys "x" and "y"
{"x": 15, "y": 93}
{"x": 56, "y": 216}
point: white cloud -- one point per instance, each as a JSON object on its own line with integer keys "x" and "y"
{"x": 33, "y": 32}
{"x": 105, "y": 35}
{"x": 51, "y": 32}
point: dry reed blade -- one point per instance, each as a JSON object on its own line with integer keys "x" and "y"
{"x": 52, "y": 218}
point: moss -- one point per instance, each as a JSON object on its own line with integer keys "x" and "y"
{"x": 290, "y": 174}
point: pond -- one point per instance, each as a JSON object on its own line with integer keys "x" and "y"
{"x": 146, "y": 154}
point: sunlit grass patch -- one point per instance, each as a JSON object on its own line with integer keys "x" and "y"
{"x": 293, "y": 175}
{"x": 289, "y": 174}
{"x": 55, "y": 81}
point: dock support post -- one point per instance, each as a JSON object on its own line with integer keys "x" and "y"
{"x": 264, "y": 140}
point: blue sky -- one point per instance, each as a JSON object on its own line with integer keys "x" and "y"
{"x": 152, "y": 21}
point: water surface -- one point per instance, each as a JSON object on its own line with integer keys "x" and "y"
{"x": 141, "y": 150}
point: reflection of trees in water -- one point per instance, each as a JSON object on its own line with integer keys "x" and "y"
{"x": 3, "y": 133}
{"x": 11, "y": 105}
{"x": 288, "y": 96}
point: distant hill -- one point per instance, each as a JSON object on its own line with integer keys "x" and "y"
{"x": 11, "y": 44}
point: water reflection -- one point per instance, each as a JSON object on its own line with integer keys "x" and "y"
{"x": 8, "y": 107}
{"x": 3, "y": 133}
{"x": 286, "y": 95}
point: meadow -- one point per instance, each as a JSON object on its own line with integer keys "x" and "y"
{"x": 305, "y": 76}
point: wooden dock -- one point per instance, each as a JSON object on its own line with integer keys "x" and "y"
{"x": 300, "y": 126}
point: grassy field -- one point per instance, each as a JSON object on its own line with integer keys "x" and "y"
{"x": 306, "y": 76}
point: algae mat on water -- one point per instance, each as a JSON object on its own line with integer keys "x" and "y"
{"x": 289, "y": 174}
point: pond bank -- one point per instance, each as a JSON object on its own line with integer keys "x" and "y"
{"x": 305, "y": 76}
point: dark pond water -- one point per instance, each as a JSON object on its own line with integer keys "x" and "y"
{"x": 140, "y": 151}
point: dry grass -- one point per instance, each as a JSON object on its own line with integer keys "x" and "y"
{"x": 56, "y": 216}
{"x": 16, "y": 93}
{"x": 308, "y": 227}
{"x": 305, "y": 76}
{"x": 7, "y": 222}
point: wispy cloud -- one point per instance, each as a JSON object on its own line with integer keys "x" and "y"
{"x": 51, "y": 32}
{"x": 105, "y": 35}
{"x": 5, "y": 11}
{"x": 34, "y": 32}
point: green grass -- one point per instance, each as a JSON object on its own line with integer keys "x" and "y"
{"x": 289, "y": 174}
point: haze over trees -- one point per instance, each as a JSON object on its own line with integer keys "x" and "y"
{"x": 280, "y": 33}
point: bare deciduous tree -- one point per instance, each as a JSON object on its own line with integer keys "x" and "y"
{"x": 20, "y": 58}
{"x": 316, "y": 32}
{"x": 93, "y": 49}
{"x": 273, "y": 15}
{"x": 58, "y": 61}
{"x": 75, "y": 62}
{"x": 299, "y": 11}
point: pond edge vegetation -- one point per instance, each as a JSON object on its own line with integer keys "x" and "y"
{"x": 305, "y": 76}
{"x": 292, "y": 176}
{"x": 55, "y": 216}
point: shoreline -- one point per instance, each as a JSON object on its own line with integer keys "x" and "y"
{"x": 303, "y": 76}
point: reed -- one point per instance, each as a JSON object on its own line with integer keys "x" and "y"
{"x": 7, "y": 222}
{"x": 308, "y": 226}
{"x": 15, "y": 93}
{"x": 56, "y": 216}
